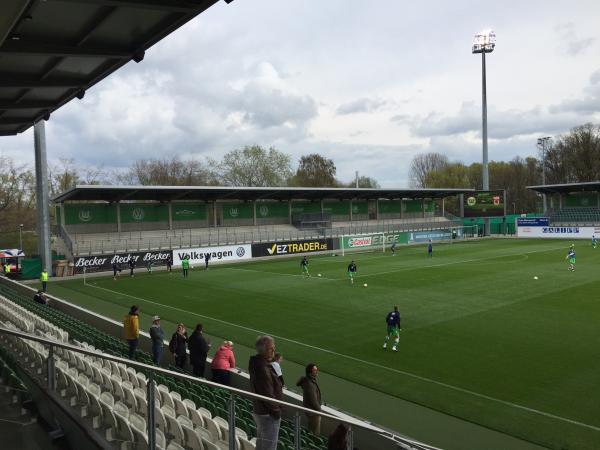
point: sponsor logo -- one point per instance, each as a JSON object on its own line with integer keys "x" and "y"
{"x": 241, "y": 251}
{"x": 223, "y": 253}
{"x": 297, "y": 247}
{"x": 360, "y": 242}
{"x": 496, "y": 199}
{"x": 137, "y": 214}
{"x": 85, "y": 215}
{"x": 471, "y": 201}
{"x": 264, "y": 211}
{"x": 195, "y": 255}
{"x": 185, "y": 212}
{"x": 354, "y": 209}
{"x": 560, "y": 230}
{"x": 95, "y": 263}
{"x": 233, "y": 212}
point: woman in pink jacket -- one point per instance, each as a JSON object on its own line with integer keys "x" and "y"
{"x": 222, "y": 363}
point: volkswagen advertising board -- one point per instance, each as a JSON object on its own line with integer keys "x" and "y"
{"x": 226, "y": 253}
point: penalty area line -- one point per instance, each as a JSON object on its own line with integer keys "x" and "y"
{"x": 372, "y": 364}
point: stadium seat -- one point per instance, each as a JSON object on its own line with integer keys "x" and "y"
{"x": 192, "y": 439}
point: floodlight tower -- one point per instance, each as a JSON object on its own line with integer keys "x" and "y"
{"x": 542, "y": 144}
{"x": 484, "y": 42}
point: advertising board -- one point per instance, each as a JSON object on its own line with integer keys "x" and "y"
{"x": 97, "y": 263}
{"x": 226, "y": 253}
{"x": 281, "y": 248}
{"x": 549, "y": 232}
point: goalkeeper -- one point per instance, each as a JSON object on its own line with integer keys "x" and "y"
{"x": 304, "y": 265}
{"x": 352, "y": 271}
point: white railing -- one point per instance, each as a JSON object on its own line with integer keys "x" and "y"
{"x": 351, "y": 424}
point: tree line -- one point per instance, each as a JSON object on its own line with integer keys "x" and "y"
{"x": 569, "y": 158}
{"x": 572, "y": 157}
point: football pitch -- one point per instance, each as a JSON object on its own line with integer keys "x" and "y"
{"x": 481, "y": 339}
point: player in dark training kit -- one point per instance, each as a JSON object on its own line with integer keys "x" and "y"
{"x": 393, "y": 328}
{"x": 430, "y": 249}
{"x": 304, "y": 265}
{"x": 351, "y": 271}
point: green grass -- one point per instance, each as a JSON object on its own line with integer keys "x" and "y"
{"x": 482, "y": 340}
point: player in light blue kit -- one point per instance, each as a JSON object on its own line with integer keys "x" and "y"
{"x": 571, "y": 258}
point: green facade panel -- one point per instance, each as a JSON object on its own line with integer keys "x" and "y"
{"x": 581, "y": 200}
{"x": 390, "y": 206}
{"x": 232, "y": 211}
{"x": 337, "y": 208}
{"x": 90, "y": 213}
{"x": 144, "y": 212}
{"x": 188, "y": 211}
{"x": 360, "y": 208}
{"x": 306, "y": 207}
{"x": 269, "y": 210}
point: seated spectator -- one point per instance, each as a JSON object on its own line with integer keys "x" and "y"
{"x": 40, "y": 298}
{"x": 223, "y": 362}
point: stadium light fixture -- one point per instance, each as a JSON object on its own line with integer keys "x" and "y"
{"x": 484, "y": 42}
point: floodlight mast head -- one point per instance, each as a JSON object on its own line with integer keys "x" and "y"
{"x": 484, "y": 41}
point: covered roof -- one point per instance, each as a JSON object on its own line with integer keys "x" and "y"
{"x": 54, "y": 50}
{"x": 210, "y": 193}
{"x": 566, "y": 188}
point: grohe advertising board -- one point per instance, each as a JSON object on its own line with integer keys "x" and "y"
{"x": 548, "y": 232}
{"x": 227, "y": 253}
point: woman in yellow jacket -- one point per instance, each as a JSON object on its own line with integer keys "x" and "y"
{"x": 131, "y": 329}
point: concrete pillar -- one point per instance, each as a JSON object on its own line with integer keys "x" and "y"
{"x": 42, "y": 196}
{"x": 560, "y": 201}
{"x": 62, "y": 216}
{"x": 254, "y": 212}
{"x": 290, "y": 211}
{"x": 118, "y": 217}
{"x": 170, "y": 215}
{"x": 401, "y": 208}
{"x": 377, "y": 209}
{"x": 215, "y": 214}
{"x": 443, "y": 206}
{"x": 423, "y": 207}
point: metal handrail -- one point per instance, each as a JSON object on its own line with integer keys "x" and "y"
{"x": 401, "y": 441}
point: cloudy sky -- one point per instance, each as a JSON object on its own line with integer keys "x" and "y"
{"x": 366, "y": 83}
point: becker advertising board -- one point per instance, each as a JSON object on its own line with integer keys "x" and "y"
{"x": 291, "y": 247}
{"x": 97, "y": 263}
{"x": 226, "y": 253}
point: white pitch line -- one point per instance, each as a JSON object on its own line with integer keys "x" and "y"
{"x": 352, "y": 358}
{"x": 280, "y": 273}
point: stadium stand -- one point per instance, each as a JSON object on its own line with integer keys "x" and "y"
{"x": 575, "y": 216}
{"x": 112, "y": 396}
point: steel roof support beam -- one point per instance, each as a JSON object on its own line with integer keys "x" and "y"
{"x": 23, "y": 48}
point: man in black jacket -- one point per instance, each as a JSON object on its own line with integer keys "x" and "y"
{"x": 264, "y": 381}
{"x": 198, "y": 347}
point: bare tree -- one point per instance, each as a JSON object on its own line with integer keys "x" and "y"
{"x": 423, "y": 165}
{"x": 166, "y": 172}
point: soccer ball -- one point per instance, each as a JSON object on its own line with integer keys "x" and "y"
{"x": 365, "y": 285}
{"x": 319, "y": 275}
{"x": 535, "y": 278}
{"x": 191, "y": 267}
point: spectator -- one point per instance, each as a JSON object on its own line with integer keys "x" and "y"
{"x": 131, "y": 329}
{"x": 338, "y": 439}
{"x": 157, "y": 335}
{"x": 311, "y": 397}
{"x": 276, "y": 363}
{"x": 40, "y": 298}
{"x": 44, "y": 279}
{"x": 264, "y": 381}
{"x": 131, "y": 266}
{"x": 198, "y": 346}
{"x": 223, "y": 362}
{"x": 178, "y": 346}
